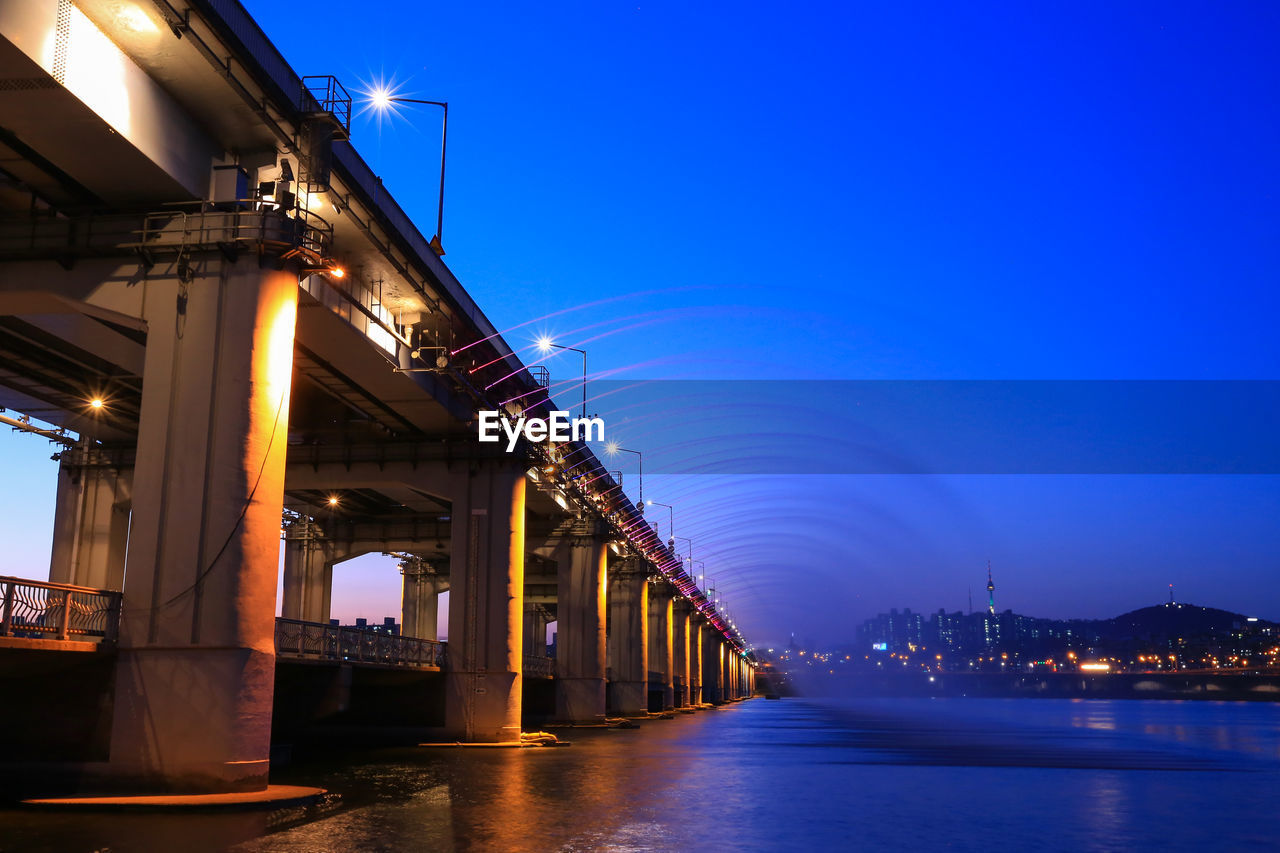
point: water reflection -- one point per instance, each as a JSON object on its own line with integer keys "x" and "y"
{"x": 893, "y": 774}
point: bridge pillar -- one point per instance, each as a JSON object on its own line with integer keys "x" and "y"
{"x": 680, "y": 611}
{"x": 486, "y": 582}
{"x": 580, "y": 645}
{"x": 420, "y": 600}
{"x": 695, "y": 659}
{"x": 90, "y": 523}
{"x": 629, "y": 636}
{"x": 727, "y": 656}
{"x": 661, "y": 654}
{"x": 535, "y": 630}
{"x": 712, "y": 666}
{"x": 196, "y": 662}
{"x": 308, "y": 574}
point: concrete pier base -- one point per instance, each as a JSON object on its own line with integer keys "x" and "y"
{"x": 629, "y": 637}
{"x": 196, "y": 662}
{"x": 486, "y": 574}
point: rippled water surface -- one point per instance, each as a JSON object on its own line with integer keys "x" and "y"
{"x": 961, "y": 774}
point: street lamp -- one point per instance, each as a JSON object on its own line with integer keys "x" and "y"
{"x": 545, "y": 345}
{"x": 671, "y": 520}
{"x": 382, "y": 100}
{"x": 613, "y": 449}
{"x": 699, "y": 580}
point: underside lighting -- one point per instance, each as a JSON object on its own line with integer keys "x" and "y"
{"x": 96, "y": 403}
{"x": 337, "y": 272}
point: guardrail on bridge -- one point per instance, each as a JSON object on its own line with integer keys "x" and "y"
{"x": 317, "y": 641}
{"x": 39, "y": 610}
{"x": 539, "y": 667}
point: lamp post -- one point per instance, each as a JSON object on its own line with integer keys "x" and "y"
{"x": 382, "y": 100}
{"x": 613, "y": 449}
{"x": 671, "y": 520}
{"x": 546, "y": 346}
{"x": 690, "y": 541}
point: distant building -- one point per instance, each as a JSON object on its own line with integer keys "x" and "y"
{"x": 388, "y": 626}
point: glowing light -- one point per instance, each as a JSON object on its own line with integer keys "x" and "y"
{"x": 337, "y": 272}
{"x": 545, "y": 344}
{"x": 1095, "y": 667}
{"x": 136, "y": 20}
{"x": 611, "y": 448}
{"x": 96, "y": 403}
{"x": 94, "y": 69}
{"x": 333, "y": 500}
{"x": 381, "y": 98}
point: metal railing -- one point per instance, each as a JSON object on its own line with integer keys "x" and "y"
{"x": 316, "y": 641}
{"x": 58, "y": 611}
{"x": 324, "y": 93}
{"x": 539, "y": 667}
{"x": 248, "y": 222}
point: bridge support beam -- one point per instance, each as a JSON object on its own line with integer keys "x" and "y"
{"x": 660, "y": 643}
{"x": 196, "y": 658}
{"x": 90, "y": 525}
{"x": 695, "y": 660}
{"x": 308, "y": 579}
{"x": 420, "y": 603}
{"x": 629, "y": 636}
{"x": 580, "y": 644}
{"x": 712, "y": 666}
{"x": 535, "y": 630}
{"x": 730, "y": 673}
{"x": 680, "y": 612}
{"x": 486, "y": 581}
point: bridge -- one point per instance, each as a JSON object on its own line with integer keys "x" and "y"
{"x": 243, "y": 344}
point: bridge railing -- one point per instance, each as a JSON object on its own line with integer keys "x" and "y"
{"x": 55, "y": 611}
{"x": 317, "y": 641}
{"x": 539, "y": 667}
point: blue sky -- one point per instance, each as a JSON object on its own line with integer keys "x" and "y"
{"x": 858, "y": 191}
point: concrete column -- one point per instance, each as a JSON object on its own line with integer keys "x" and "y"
{"x": 535, "y": 630}
{"x": 308, "y": 574}
{"x": 726, "y": 679}
{"x": 661, "y": 655}
{"x": 90, "y": 523}
{"x": 196, "y": 661}
{"x": 680, "y": 612}
{"x": 486, "y": 602}
{"x": 420, "y": 599}
{"x": 629, "y": 636}
{"x": 712, "y": 666}
{"x": 695, "y": 660}
{"x": 581, "y": 580}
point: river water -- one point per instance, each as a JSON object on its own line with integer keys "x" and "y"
{"x": 892, "y": 774}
